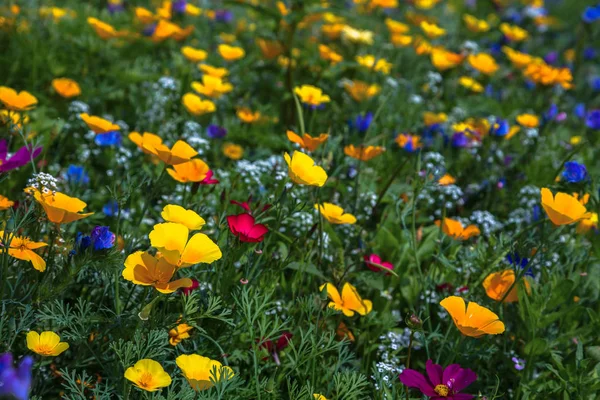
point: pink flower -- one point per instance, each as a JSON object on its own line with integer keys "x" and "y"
{"x": 244, "y": 227}
{"x": 440, "y": 384}
{"x": 374, "y": 263}
{"x": 209, "y": 180}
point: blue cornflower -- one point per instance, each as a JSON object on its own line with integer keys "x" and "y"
{"x": 15, "y": 382}
{"x": 516, "y": 260}
{"x": 551, "y": 113}
{"x": 361, "y": 123}
{"x": 102, "y": 238}
{"x": 77, "y": 175}
{"x": 216, "y": 132}
{"x": 580, "y": 110}
{"x": 112, "y": 138}
{"x": 592, "y": 119}
{"x": 589, "y": 53}
{"x": 591, "y": 14}
{"x": 111, "y": 208}
{"x": 574, "y": 172}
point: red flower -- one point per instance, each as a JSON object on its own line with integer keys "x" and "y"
{"x": 243, "y": 226}
{"x": 209, "y": 180}
{"x": 190, "y": 289}
{"x": 274, "y": 349}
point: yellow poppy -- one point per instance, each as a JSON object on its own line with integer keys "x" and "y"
{"x": 327, "y": 54}
{"x": 311, "y": 95}
{"x": 443, "y": 60}
{"x": 248, "y": 116}
{"x": 212, "y": 87}
{"x": 5, "y": 203}
{"x": 307, "y": 142}
{"x": 483, "y": 63}
{"x": 456, "y": 230}
{"x": 363, "y": 153}
{"x": 471, "y": 84}
{"x": 177, "y": 214}
{"x": 144, "y": 15}
{"x": 21, "y": 101}
{"x": 446, "y": 180}
{"x": 475, "y": 25}
{"x": 472, "y": 320}
{"x": 196, "y": 106}
{"x": 359, "y": 36}
{"x": 145, "y": 141}
{"x": 179, "y": 333}
{"x": 497, "y": 284}
{"x": 194, "y": 55}
{"x": 213, "y": 71}
{"x": 432, "y": 31}
{"x": 318, "y": 396}
{"x": 171, "y": 239}
{"x": 349, "y": 302}
{"x": 233, "y": 151}
{"x": 98, "y": 125}
{"x": 102, "y": 29}
{"x": 231, "y": 53}
{"x": 518, "y": 59}
{"x": 194, "y": 170}
{"x": 142, "y": 268}
{"x": 180, "y": 152}
{"x": 198, "y": 370}
{"x": 148, "y": 375}
{"x": 59, "y": 208}
{"x": 303, "y": 171}
{"x": 401, "y": 40}
{"x": 335, "y": 214}
{"x": 66, "y": 87}
{"x": 528, "y": 120}
{"x": 396, "y": 27}
{"x": 513, "y": 33}
{"x": 563, "y": 209}
{"x": 21, "y": 247}
{"x": 46, "y": 344}
{"x": 378, "y": 65}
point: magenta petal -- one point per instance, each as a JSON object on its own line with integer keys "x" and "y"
{"x": 450, "y": 373}
{"x": 434, "y": 371}
{"x": 462, "y": 379}
{"x": 23, "y": 156}
{"x": 414, "y": 379}
{"x": 3, "y": 150}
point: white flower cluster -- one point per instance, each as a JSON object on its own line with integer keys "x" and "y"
{"x": 486, "y": 222}
{"x": 43, "y": 182}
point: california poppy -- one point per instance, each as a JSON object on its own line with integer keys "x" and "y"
{"x": 22, "y": 248}
{"x": 363, "y": 153}
{"x": 497, "y": 284}
{"x": 142, "y": 268}
{"x": 98, "y": 125}
{"x": 59, "y": 208}
{"x": 306, "y": 141}
{"x": 198, "y": 370}
{"x": 472, "y": 320}
{"x": 349, "y": 302}
{"x": 45, "y": 344}
{"x": 335, "y": 214}
{"x": 21, "y": 101}
{"x": 563, "y": 209}
{"x": 456, "y": 230}
{"x": 171, "y": 239}
{"x": 303, "y": 171}
{"x": 311, "y": 95}
{"x": 148, "y": 375}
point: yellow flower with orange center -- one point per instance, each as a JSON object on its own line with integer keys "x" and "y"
{"x": 361, "y": 91}
{"x": 17, "y": 101}
{"x": 307, "y": 142}
{"x": 363, "y": 153}
{"x": 148, "y": 375}
{"x": 66, "y": 87}
{"x": 311, "y": 95}
{"x": 456, "y": 230}
{"x": 335, "y": 214}
{"x": 233, "y": 151}
{"x": 46, "y": 344}
{"x": 230, "y": 53}
{"x": 483, "y": 63}
{"x": 22, "y": 248}
{"x": 196, "y": 105}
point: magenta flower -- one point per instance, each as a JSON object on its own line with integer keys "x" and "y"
{"x": 374, "y": 263}
{"x": 441, "y": 384}
{"x": 17, "y": 160}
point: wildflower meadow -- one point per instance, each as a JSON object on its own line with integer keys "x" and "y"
{"x": 299, "y": 199}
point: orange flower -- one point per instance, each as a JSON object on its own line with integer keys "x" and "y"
{"x": 248, "y": 116}
{"x": 396, "y": 27}
{"x": 328, "y": 54}
{"x": 483, "y": 63}
{"x": 212, "y": 87}
{"x": 102, "y": 29}
{"x": 349, "y": 302}
{"x": 363, "y": 153}
{"x": 528, "y": 120}
{"x": 98, "y": 125}
{"x": 21, "y": 247}
{"x": 180, "y": 153}
{"x": 307, "y": 142}
{"x": 180, "y": 332}
{"x": 475, "y": 25}
{"x": 213, "y": 71}
{"x": 311, "y": 95}
{"x": 192, "y": 171}
{"x": 361, "y": 91}
{"x": 563, "y": 209}
{"x": 472, "y": 320}
{"x": 66, "y": 87}
{"x": 513, "y": 33}
{"x": 196, "y": 106}
{"x": 269, "y": 48}
{"x": 193, "y": 55}
{"x": 547, "y": 75}
{"x": 455, "y": 229}
{"x": 142, "y": 268}
{"x": 233, "y": 151}
{"x": 518, "y": 59}
{"x": 497, "y": 284}
{"x": 22, "y": 101}
{"x": 5, "y": 203}
{"x": 145, "y": 141}
{"x": 444, "y": 60}
{"x": 59, "y": 208}
{"x": 335, "y": 214}
{"x": 446, "y": 180}
{"x": 231, "y": 53}
{"x": 432, "y": 30}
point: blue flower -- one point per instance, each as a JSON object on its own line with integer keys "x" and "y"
{"x": 179, "y": 6}
{"x": 595, "y": 83}
{"x": 111, "y": 208}
{"x": 15, "y": 382}
{"x": 592, "y": 119}
{"x": 589, "y": 53}
{"x": 102, "y": 238}
{"x": 574, "y": 172}
{"x": 81, "y": 243}
{"x": 149, "y": 30}
{"x": 591, "y": 14}
{"x": 361, "y": 123}
{"x": 516, "y": 260}
{"x": 224, "y": 16}
{"x": 500, "y": 128}
{"x": 580, "y": 110}
{"x": 552, "y": 113}
{"x": 112, "y": 138}
{"x": 459, "y": 139}
{"x": 77, "y": 175}
{"x": 216, "y": 132}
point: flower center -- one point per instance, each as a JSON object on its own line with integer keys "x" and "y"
{"x": 442, "y": 390}
{"x": 44, "y": 349}
{"x": 146, "y": 380}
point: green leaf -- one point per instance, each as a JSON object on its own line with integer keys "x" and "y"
{"x": 536, "y": 347}
{"x": 308, "y": 268}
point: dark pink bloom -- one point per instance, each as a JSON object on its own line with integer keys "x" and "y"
{"x": 190, "y": 289}
{"x": 209, "y": 180}
{"x": 440, "y": 384}
{"x": 244, "y": 227}
{"x": 23, "y": 156}
{"x": 274, "y": 349}
{"x": 375, "y": 259}
{"x": 246, "y": 205}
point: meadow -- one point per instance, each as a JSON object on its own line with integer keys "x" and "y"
{"x": 299, "y": 199}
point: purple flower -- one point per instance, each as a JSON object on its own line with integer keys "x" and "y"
{"x": 551, "y": 57}
{"x": 440, "y": 384}
{"x": 149, "y": 30}
{"x": 178, "y": 6}
{"x": 519, "y": 364}
{"x": 15, "y": 381}
{"x": 102, "y": 238}
{"x": 224, "y": 16}
{"x": 592, "y": 120}
{"x": 574, "y": 172}
{"x": 23, "y": 156}
{"x": 216, "y": 132}
{"x": 459, "y": 139}
{"x": 115, "y": 6}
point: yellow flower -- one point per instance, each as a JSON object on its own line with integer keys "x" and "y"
{"x": 472, "y": 320}
{"x": 363, "y": 153}
{"x": 248, "y": 116}
{"x": 180, "y": 152}
{"x": 102, "y": 29}
{"x": 212, "y": 87}
{"x": 456, "y": 230}
{"x": 356, "y": 35}
{"x": 475, "y": 25}
{"x": 332, "y": 31}
{"x": 483, "y": 63}
{"x": 231, "y": 53}
{"x": 213, "y": 71}
{"x": 8, "y": 117}
{"x": 194, "y": 170}
{"x": 177, "y": 214}
{"x": 311, "y": 95}
{"x": 349, "y": 302}
{"x": 59, "y": 208}
{"x": 192, "y": 10}
{"x": 512, "y": 132}
{"x": 199, "y": 370}
{"x": 145, "y": 141}
{"x": 144, "y": 15}
{"x": 432, "y": 31}
{"x": 318, "y": 396}
{"x": 142, "y": 268}
{"x": 303, "y": 171}
{"x": 395, "y": 27}
{"x": 497, "y": 285}
{"x": 518, "y": 59}
{"x": 361, "y": 91}
{"x": 383, "y": 4}
{"x": 45, "y": 344}
{"x": 401, "y": 40}
{"x": 446, "y": 180}
{"x": 21, "y": 248}
{"x": 196, "y": 106}
{"x": 585, "y": 225}
{"x": 542, "y": 73}
{"x": 471, "y": 84}
{"x": 369, "y": 61}
{"x": 171, "y": 239}
{"x": 233, "y": 151}
{"x": 5, "y": 204}
{"x": 422, "y": 46}
{"x": 283, "y": 10}
{"x": 98, "y": 125}
{"x": 307, "y": 142}
{"x": 563, "y": 209}
{"x": 426, "y": 4}
{"x": 327, "y": 54}
{"x": 431, "y": 118}
{"x": 66, "y": 87}
{"x": 513, "y": 33}
{"x": 22, "y": 101}
{"x": 335, "y": 214}
{"x": 528, "y": 120}
{"x": 180, "y": 332}
{"x": 269, "y": 48}
{"x": 194, "y": 55}
{"x": 444, "y": 60}
{"x": 148, "y": 375}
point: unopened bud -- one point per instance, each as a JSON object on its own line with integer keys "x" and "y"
{"x": 414, "y": 322}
